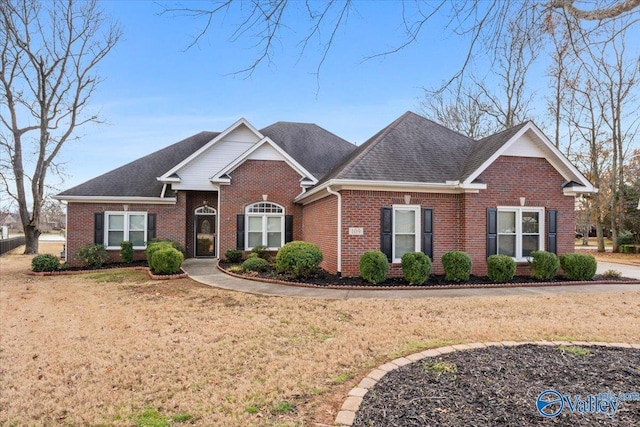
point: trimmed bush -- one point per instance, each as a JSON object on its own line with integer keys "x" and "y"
{"x": 298, "y": 258}
{"x": 154, "y": 247}
{"x": 630, "y": 249}
{"x": 544, "y": 265}
{"x": 500, "y": 268}
{"x": 416, "y": 267}
{"x": 261, "y": 251}
{"x": 457, "y": 266}
{"x": 255, "y": 263}
{"x": 45, "y": 262}
{"x": 624, "y": 238}
{"x": 126, "y": 252}
{"x": 578, "y": 266}
{"x": 177, "y": 246}
{"x": 92, "y": 256}
{"x": 167, "y": 260}
{"x": 233, "y": 255}
{"x": 373, "y": 266}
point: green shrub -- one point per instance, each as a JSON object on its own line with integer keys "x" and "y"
{"x": 500, "y": 268}
{"x": 544, "y": 265}
{"x": 261, "y": 251}
{"x": 156, "y": 246}
{"x": 167, "y": 260}
{"x": 233, "y": 255}
{"x": 374, "y": 266}
{"x": 624, "y": 238}
{"x": 177, "y": 246}
{"x": 298, "y": 258}
{"x": 45, "y": 262}
{"x": 126, "y": 251}
{"x": 255, "y": 263}
{"x": 416, "y": 267}
{"x": 93, "y": 256}
{"x": 457, "y": 266}
{"x": 630, "y": 249}
{"x": 578, "y": 266}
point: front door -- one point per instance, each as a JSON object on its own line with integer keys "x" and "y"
{"x": 205, "y": 233}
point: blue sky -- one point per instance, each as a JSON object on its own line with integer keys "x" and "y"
{"x": 156, "y": 91}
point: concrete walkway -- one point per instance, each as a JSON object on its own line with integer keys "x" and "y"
{"x": 206, "y": 272}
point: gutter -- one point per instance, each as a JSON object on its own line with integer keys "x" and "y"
{"x": 339, "y": 196}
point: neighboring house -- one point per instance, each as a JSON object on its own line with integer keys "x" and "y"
{"x": 414, "y": 186}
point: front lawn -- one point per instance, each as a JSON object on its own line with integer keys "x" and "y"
{"x": 121, "y": 349}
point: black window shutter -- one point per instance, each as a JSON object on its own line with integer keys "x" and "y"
{"x": 386, "y": 231}
{"x": 288, "y": 228}
{"x": 151, "y": 227}
{"x": 552, "y": 231}
{"x": 427, "y": 232}
{"x": 98, "y": 228}
{"x": 240, "y": 232}
{"x": 492, "y": 231}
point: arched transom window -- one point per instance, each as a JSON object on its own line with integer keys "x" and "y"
{"x": 265, "y": 225}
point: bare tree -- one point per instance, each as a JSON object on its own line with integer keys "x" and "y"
{"x": 48, "y": 55}
{"x": 460, "y": 110}
{"x": 482, "y": 23}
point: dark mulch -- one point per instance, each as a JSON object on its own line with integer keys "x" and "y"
{"x": 323, "y": 278}
{"x": 111, "y": 265}
{"x": 499, "y": 386}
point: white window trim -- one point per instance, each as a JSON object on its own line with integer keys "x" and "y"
{"x": 417, "y": 210}
{"x": 264, "y": 216}
{"x": 541, "y": 228}
{"x": 126, "y": 214}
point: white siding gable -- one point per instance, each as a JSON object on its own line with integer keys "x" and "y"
{"x": 195, "y": 174}
{"x": 266, "y": 152}
{"x": 524, "y": 147}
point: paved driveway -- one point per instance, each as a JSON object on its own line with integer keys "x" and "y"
{"x": 205, "y": 271}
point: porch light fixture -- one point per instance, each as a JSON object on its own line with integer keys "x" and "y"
{"x": 264, "y": 197}
{"x": 407, "y": 199}
{"x": 205, "y": 203}
{"x": 522, "y": 201}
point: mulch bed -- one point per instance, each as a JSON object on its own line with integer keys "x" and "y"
{"x": 500, "y": 386}
{"x": 325, "y": 279}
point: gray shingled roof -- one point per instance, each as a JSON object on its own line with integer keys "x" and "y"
{"x": 484, "y": 148}
{"x": 138, "y": 178}
{"x": 411, "y": 149}
{"x": 315, "y": 148}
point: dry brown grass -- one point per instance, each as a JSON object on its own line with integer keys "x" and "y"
{"x": 102, "y": 348}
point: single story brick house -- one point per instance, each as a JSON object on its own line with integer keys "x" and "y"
{"x": 414, "y": 186}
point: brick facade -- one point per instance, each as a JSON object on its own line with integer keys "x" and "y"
{"x": 459, "y": 219}
{"x": 249, "y": 182}
{"x": 170, "y": 224}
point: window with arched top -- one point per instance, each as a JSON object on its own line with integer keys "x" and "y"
{"x": 205, "y": 210}
{"x": 265, "y": 225}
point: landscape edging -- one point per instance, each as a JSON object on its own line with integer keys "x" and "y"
{"x": 346, "y": 415}
{"x": 419, "y": 287}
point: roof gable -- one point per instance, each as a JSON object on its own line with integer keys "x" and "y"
{"x": 524, "y": 140}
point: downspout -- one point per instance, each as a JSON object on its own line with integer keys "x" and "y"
{"x": 339, "y": 196}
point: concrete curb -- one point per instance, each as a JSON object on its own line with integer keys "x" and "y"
{"x": 347, "y": 414}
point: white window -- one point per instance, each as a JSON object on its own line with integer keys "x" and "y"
{"x": 265, "y": 225}
{"x": 520, "y": 231}
{"x": 125, "y": 226}
{"x": 406, "y": 230}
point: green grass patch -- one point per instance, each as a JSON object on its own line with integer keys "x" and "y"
{"x": 283, "y": 407}
{"x": 252, "y": 409}
{"x": 575, "y": 350}
{"x": 118, "y": 276}
{"x": 440, "y": 367}
{"x": 343, "y": 377}
{"x": 150, "y": 417}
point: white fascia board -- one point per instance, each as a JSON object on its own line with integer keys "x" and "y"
{"x": 567, "y": 170}
{"x": 115, "y": 199}
{"x": 265, "y": 140}
{"x": 208, "y": 145}
{"x": 419, "y": 187}
{"x": 167, "y": 180}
